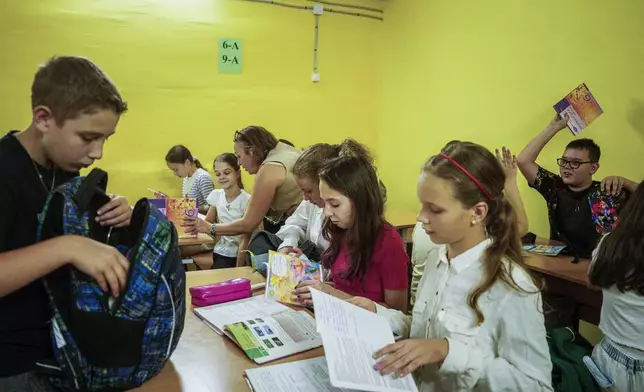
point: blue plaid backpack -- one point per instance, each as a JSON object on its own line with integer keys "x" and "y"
{"x": 112, "y": 344}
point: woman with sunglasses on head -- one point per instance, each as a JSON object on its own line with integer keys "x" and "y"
{"x": 275, "y": 193}
{"x": 580, "y": 210}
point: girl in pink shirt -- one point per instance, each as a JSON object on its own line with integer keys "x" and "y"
{"x": 366, "y": 256}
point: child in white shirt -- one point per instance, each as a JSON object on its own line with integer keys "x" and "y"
{"x": 618, "y": 268}
{"x": 226, "y": 205}
{"x": 477, "y": 324}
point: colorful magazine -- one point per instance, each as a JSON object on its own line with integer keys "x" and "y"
{"x": 581, "y": 107}
{"x": 285, "y": 272}
{"x": 177, "y": 210}
{"x": 546, "y": 250}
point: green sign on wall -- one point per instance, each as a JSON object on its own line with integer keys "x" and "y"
{"x": 230, "y": 55}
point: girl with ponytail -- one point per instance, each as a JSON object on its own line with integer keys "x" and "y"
{"x": 477, "y": 322}
{"x": 197, "y": 183}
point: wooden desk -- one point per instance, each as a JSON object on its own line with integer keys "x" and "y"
{"x": 203, "y": 360}
{"x": 564, "y": 278}
{"x": 202, "y": 239}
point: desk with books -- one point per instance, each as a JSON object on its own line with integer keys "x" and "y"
{"x": 205, "y": 361}
{"x": 567, "y": 279}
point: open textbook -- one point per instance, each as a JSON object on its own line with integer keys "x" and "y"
{"x": 266, "y": 330}
{"x": 351, "y": 335}
{"x": 309, "y": 375}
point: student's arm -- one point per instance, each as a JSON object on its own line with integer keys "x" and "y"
{"x": 394, "y": 270}
{"x": 104, "y": 263}
{"x": 294, "y": 230}
{"x": 211, "y": 216}
{"x": 511, "y": 188}
{"x": 267, "y": 180}
{"x": 527, "y": 160}
{"x": 522, "y": 361}
{"x": 243, "y": 245}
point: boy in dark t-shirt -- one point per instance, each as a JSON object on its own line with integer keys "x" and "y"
{"x": 75, "y": 108}
{"x": 580, "y": 210}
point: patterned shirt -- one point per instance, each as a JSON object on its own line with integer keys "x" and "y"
{"x": 578, "y": 218}
{"x": 198, "y": 186}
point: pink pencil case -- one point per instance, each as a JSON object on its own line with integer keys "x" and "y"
{"x": 216, "y": 293}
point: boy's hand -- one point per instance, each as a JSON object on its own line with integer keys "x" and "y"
{"x": 117, "y": 213}
{"x": 102, "y": 262}
{"x": 558, "y": 123}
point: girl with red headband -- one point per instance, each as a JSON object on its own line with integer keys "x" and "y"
{"x": 477, "y": 322}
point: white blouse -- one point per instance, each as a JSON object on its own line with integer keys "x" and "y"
{"x": 622, "y": 317}
{"x": 304, "y": 224}
{"x": 227, "y": 212}
{"x": 507, "y": 352}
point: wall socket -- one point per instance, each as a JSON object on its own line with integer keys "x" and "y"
{"x": 315, "y": 77}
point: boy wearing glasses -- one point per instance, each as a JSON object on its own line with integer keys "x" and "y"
{"x": 580, "y": 210}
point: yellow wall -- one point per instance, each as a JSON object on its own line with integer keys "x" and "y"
{"x": 162, "y": 54}
{"x": 490, "y": 72}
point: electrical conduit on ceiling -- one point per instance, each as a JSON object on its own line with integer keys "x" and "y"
{"x": 317, "y": 11}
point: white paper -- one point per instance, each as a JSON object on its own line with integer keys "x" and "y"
{"x": 309, "y": 375}
{"x": 351, "y": 335}
{"x": 217, "y": 316}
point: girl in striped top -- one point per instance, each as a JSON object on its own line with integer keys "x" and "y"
{"x": 197, "y": 182}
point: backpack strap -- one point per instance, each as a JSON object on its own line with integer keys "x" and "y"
{"x": 92, "y": 187}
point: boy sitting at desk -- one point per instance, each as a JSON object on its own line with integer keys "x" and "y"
{"x": 580, "y": 210}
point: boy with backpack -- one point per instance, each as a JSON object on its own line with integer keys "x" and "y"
{"x": 75, "y": 109}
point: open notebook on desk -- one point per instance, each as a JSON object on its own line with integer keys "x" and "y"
{"x": 309, "y": 375}
{"x": 265, "y": 329}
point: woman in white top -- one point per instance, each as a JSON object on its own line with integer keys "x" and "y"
{"x": 618, "y": 268}
{"x": 226, "y": 205}
{"x": 197, "y": 183}
{"x": 477, "y": 324}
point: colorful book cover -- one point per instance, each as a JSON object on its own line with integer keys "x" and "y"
{"x": 285, "y": 272}
{"x": 546, "y": 250}
{"x": 581, "y": 107}
{"x": 177, "y": 210}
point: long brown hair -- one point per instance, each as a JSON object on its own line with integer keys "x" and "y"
{"x": 620, "y": 255}
{"x": 355, "y": 178}
{"x": 231, "y": 160}
{"x": 257, "y": 141}
{"x": 501, "y": 220}
{"x": 179, "y": 154}
{"x": 311, "y": 161}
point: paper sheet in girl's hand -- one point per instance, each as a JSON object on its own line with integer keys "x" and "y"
{"x": 285, "y": 272}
